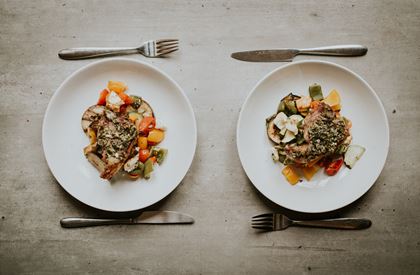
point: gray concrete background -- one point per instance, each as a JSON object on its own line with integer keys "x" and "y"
{"x": 215, "y": 191}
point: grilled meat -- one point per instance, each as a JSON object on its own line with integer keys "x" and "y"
{"x": 115, "y": 139}
{"x": 323, "y": 133}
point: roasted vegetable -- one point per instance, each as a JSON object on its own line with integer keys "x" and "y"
{"x": 309, "y": 172}
{"x": 102, "y": 97}
{"x": 148, "y": 168}
{"x": 333, "y": 99}
{"x": 138, "y": 172}
{"x": 117, "y": 86}
{"x": 145, "y": 109}
{"x": 144, "y": 154}
{"x": 142, "y": 143}
{"x": 136, "y": 101}
{"x": 133, "y": 116}
{"x": 161, "y": 155}
{"x": 126, "y": 98}
{"x": 303, "y": 104}
{"x": 288, "y": 137}
{"x": 281, "y": 107}
{"x": 289, "y": 103}
{"x": 332, "y": 168}
{"x": 353, "y": 154}
{"x": 315, "y": 92}
{"x": 155, "y": 136}
{"x": 272, "y": 131}
{"x": 291, "y": 174}
{"x": 146, "y": 124}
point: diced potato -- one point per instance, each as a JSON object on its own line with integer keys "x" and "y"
{"x": 333, "y": 99}
{"x": 133, "y": 116}
{"x": 309, "y": 172}
{"x": 117, "y": 86}
{"x": 142, "y": 143}
{"x": 303, "y": 103}
{"x": 155, "y": 136}
{"x": 291, "y": 174}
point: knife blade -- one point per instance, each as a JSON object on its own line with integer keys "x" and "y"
{"x": 287, "y": 55}
{"x": 146, "y": 217}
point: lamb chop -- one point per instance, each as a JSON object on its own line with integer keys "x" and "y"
{"x": 115, "y": 139}
{"x": 323, "y": 133}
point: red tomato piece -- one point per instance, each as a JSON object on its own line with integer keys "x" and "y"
{"x": 147, "y": 124}
{"x": 334, "y": 166}
{"x": 126, "y": 98}
{"x": 102, "y": 97}
{"x": 144, "y": 155}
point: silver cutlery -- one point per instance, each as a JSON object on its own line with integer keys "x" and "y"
{"x": 287, "y": 55}
{"x": 146, "y": 217}
{"x": 152, "y": 48}
{"x": 277, "y": 221}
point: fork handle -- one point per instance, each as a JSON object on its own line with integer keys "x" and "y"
{"x": 91, "y": 52}
{"x": 342, "y": 223}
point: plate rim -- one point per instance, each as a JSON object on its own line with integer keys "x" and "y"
{"x": 110, "y": 60}
{"x": 323, "y": 62}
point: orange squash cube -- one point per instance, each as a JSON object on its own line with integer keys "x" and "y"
{"x": 309, "y": 172}
{"x": 142, "y": 143}
{"x": 334, "y": 100}
{"x": 117, "y": 86}
{"x": 291, "y": 174}
{"x": 155, "y": 136}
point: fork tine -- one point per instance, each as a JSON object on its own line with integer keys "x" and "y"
{"x": 163, "y": 45}
{"x": 168, "y": 48}
{"x": 263, "y": 215}
{"x": 167, "y": 51}
{"x": 262, "y": 224}
{"x": 165, "y": 40}
{"x": 262, "y": 219}
{"x": 263, "y": 228}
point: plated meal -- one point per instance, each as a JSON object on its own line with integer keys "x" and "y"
{"x": 161, "y": 99}
{"x": 358, "y": 102}
{"x": 123, "y": 134}
{"x": 309, "y": 133}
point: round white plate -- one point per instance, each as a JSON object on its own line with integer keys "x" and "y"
{"x": 359, "y": 103}
{"x": 63, "y": 138}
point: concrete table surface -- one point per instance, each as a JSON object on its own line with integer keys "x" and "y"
{"x": 216, "y": 190}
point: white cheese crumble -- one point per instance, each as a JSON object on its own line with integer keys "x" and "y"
{"x": 131, "y": 164}
{"x": 113, "y": 101}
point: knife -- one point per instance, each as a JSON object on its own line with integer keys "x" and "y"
{"x": 287, "y": 55}
{"x": 147, "y": 217}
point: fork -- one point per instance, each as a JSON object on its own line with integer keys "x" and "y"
{"x": 277, "y": 221}
{"x": 151, "y": 48}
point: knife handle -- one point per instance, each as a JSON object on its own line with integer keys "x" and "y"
{"x": 338, "y": 50}
{"x": 85, "y": 222}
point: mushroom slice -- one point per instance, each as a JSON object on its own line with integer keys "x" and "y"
{"x": 145, "y": 109}
{"x": 272, "y": 131}
{"x": 92, "y": 114}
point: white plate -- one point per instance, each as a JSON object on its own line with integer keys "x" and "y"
{"x": 359, "y": 103}
{"x": 63, "y": 138}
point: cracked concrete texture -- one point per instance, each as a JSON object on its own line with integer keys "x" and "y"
{"x": 215, "y": 191}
